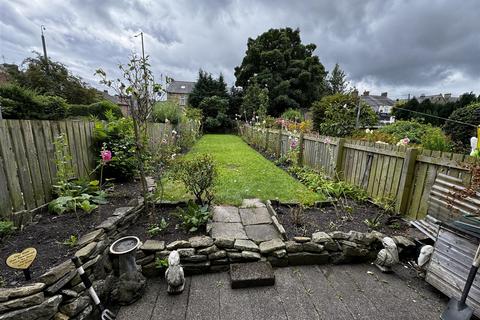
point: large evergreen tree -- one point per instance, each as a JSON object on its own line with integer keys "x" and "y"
{"x": 205, "y": 87}
{"x": 279, "y": 61}
{"x": 337, "y": 80}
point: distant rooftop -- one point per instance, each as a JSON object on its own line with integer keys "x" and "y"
{"x": 180, "y": 87}
{"x": 437, "y": 98}
{"x": 375, "y": 101}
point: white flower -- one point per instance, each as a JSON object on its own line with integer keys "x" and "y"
{"x": 368, "y": 131}
{"x": 174, "y": 132}
{"x": 166, "y": 120}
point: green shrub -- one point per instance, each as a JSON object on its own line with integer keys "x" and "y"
{"x": 336, "y": 115}
{"x": 462, "y": 132}
{"x": 435, "y": 139}
{"x": 118, "y": 136}
{"x": 53, "y": 107}
{"x": 164, "y": 110}
{"x": 215, "y": 111}
{"x": 193, "y": 114}
{"x": 292, "y": 115}
{"x": 97, "y": 109}
{"x": 194, "y": 216}
{"x": 20, "y": 103}
{"x": 198, "y": 174}
{"x": 413, "y": 130}
{"x": 374, "y": 136}
{"x": 6, "y": 228}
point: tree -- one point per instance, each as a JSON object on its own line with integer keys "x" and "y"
{"x": 279, "y": 61}
{"x": 140, "y": 89}
{"x": 335, "y": 115}
{"x": 235, "y": 101}
{"x": 255, "y": 102}
{"x": 468, "y": 119}
{"x": 56, "y": 81}
{"x": 215, "y": 110}
{"x": 206, "y": 86}
{"x": 337, "y": 80}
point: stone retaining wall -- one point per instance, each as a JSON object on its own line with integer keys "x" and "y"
{"x": 204, "y": 254}
{"x": 59, "y": 293}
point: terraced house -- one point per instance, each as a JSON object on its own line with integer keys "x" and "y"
{"x": 178, "y": 92}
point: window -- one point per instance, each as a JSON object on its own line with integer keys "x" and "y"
{"x": 183, "y": 100}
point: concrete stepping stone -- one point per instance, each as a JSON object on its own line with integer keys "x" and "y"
{"x": 252, "y": 203}
{"x": 228, "y": 230}
{"x": 253, "y": 274}
{"x": 251, "y": 216}
{"x": 225, "y": 214}
{"x": 262, "y": 232}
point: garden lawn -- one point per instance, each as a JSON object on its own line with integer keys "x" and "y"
{"x": 243, "y": 173}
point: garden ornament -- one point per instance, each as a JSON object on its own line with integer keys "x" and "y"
{"x": 424, "y": 257}
{"x": 105, "y": 314}
{"x": 388, "y": 256}
{"x": 174, "y": 274}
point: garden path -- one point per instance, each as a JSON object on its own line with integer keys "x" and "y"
{"x": 251, "y": 221}
{"x": 306, "y": 292}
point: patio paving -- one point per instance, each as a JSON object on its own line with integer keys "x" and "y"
{"x": 305, "y": 292}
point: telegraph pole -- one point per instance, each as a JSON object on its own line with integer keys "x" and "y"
{"x": 42, "y": 27}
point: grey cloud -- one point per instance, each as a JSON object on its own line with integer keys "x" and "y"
{"x": 396, "y": 46}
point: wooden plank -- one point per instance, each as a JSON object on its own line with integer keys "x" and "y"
{"x": 398, "y": 173}
{"x": 373, "y": 172}
{"x": 84, "y": 149}
{"x": 375, "y": 149}
{"x": 420, "y": 195}
{"x": 382, "y": 174}
{"x": 11, "y": 168}
{"x": 22, "y": 164}
{"x": 43, "y": 155}
{"x": 406, "y": 180}
{"x": 33, "y": 163}
{"x": 73, "y": 148}
{"x": 50, "y": 149}
{"x": 444, "y": 161}
{"x": 354, "y": 166}
{"x": 5, "y": 202}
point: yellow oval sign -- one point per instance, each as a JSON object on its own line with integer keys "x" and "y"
{"x": 22, "y": 260}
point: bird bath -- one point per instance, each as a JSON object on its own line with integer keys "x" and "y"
{"x": 129, "y": 281}
{"x": 125, "y": 249}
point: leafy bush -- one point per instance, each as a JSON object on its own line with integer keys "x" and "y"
{"x": 72, "y": 194}
{"x": 336, "y": 115}
{"x": 6, "y": 228}
{"x": 319, "y": 183}
{"x": 157, "y": 228}
{"x": 193, "y": 114}
{"x": 97, "y": 110}
{"x": 374, "y": 136}
{"x": 198, "y": 174}
{"x": 215, "y": 111}
{"x": 194, "y": 216}
{"x": 292, "y": 115}
{"x": 20, "y": 103}
{"x": 164, "y": 110}
{"x": 72, "y": 241}
{"x": 118, "y": 137}
{"x": 427, "y": 136}
{"x": 462, "y": 132}
{"x": 435, "y": 139}
{"x": 413, "y": 130}
{"x": 53, "y": 108}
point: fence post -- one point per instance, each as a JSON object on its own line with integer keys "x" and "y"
{"x": 301, "y": 145}
{"x": 406, "y": 179}
{"x": 338, "y": 159}
{"x": 266, "y": 139}
{"x": 279, "y": 144}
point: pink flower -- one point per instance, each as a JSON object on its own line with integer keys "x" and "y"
{"x": 106, "y": 155}
{"x": 293, "y": 143}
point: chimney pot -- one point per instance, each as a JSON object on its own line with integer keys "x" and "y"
{"x": 366, "y": 93}
{"x": 384, "y": 94}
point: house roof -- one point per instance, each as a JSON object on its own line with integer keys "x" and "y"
{"x": 375, "y": 102}
{"x": 180, "y": 87}
{"x": 437, "y": 98}
{"x": 115, "y": 99}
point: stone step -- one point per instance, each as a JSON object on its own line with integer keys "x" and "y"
{"x": 254, "y": 274}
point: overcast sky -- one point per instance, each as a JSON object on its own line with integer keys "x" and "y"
{"x": 397, "y": 46}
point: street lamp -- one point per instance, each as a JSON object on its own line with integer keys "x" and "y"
{"x": 42, "y": 28}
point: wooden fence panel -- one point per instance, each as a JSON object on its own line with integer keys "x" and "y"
{"x": 379, "y": 169}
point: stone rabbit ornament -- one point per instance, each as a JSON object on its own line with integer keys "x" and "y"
{"x": 174, "y": 274}
{"x": 388, "y": 256}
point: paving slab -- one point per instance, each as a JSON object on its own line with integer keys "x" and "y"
{"x": 251, "y": 216}
{"x": 300, "y": 293}
{"x": 262, "y": 232}
{"x": 255, "y": 274}
{"x": 252, "y": 203}
{"x": 225, "y": 214}
{"x": 228, "y": 230}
